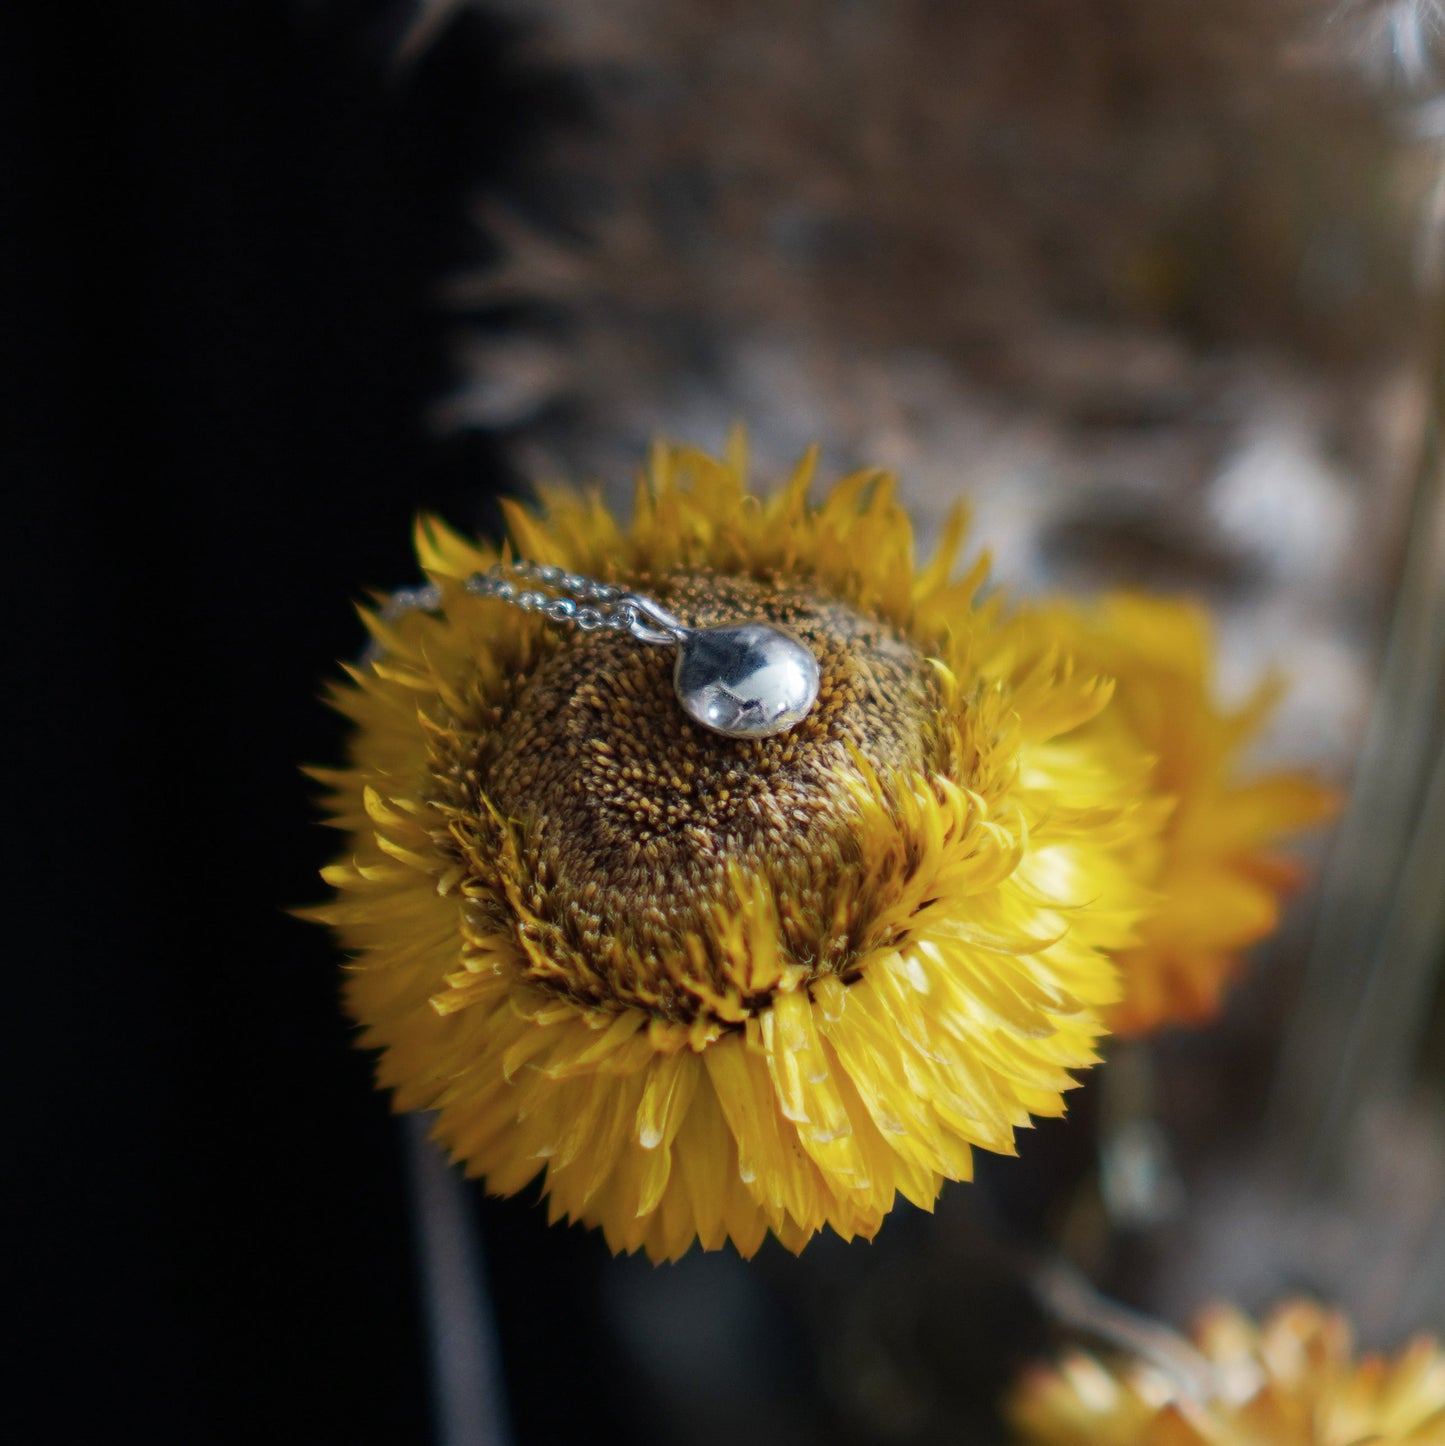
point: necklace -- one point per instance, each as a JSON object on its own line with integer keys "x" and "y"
{"x": 744, "y": 680}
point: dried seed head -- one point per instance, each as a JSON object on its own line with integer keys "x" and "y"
{"x": 633, "y": 821}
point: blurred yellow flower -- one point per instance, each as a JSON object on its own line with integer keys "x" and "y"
{"x": 1292, "y": 1381}
{"x": 1218, "y": 881}
{"x": 714, "y": 987}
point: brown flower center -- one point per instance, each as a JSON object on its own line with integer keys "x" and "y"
{"x": 630, "y": 814}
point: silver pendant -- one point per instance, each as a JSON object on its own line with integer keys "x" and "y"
{"x": 743, "y": 680}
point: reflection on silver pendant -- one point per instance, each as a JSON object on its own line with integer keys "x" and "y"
{"x": 745, "y": 680}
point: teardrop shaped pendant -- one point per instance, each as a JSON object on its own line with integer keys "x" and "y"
{"x": 745, "y": 680}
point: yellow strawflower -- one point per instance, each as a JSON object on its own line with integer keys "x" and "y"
{"x": 713, "y": 987}
{"x": 1293, "y": 1381}
{"x": 1218, "y": 879}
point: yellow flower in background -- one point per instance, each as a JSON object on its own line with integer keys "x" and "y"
{"x": 1293, "y": 1381}
{"x": 713, "y": 987}
{"x": 1218, "y": 881}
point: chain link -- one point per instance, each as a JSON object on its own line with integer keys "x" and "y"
{"x": 558, "y": 595}
{"x": 411, "y": 599}
{"x": 571, "y": 598}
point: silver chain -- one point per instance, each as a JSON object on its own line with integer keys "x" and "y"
{"x": 562, "y": 596}
{"x": 558, "y": 595}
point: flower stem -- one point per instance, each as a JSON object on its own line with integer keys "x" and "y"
{"x": 469, "y": 1404}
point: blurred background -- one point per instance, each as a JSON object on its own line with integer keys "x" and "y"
{"x": 1156, "y": 285}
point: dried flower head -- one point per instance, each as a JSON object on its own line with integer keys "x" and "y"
{"x": 1293, "y": 1381}
{"x": 715, "y": 987}
{"x": 1218, "y": 877}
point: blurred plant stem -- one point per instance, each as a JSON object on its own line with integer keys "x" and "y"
{"x": 1138, "y": 1179}
{"x": 468, "y": 1403}
{"x": 1069, "y": 1298}
{"x": 1354, "y": 1047}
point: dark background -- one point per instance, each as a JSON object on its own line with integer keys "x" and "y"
{"x": 221, "y": 228}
